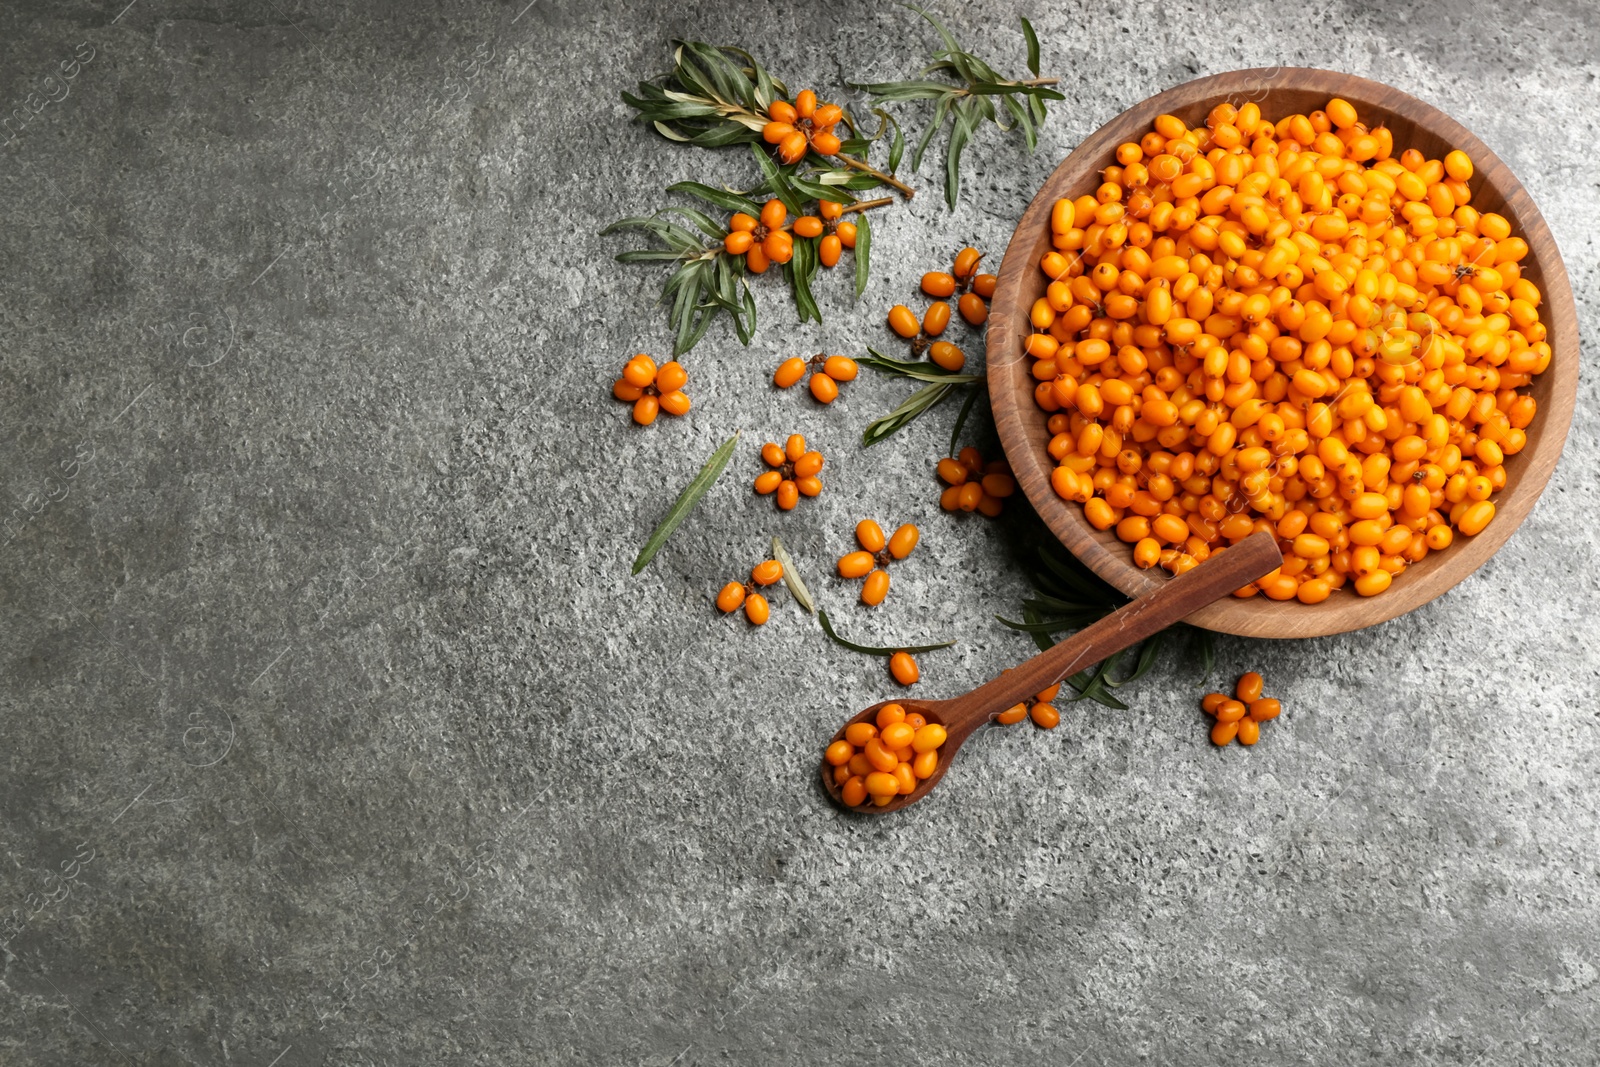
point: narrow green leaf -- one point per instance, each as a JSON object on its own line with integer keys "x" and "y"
{"x": 686, "y": 502}
{"x": 776, "y": 183}
{"x": 1033, "y": 46}
{"x": 917, "y": 369}
{"x": 906, "y": 90}
{"x": 863, "y": 251}
{"x": 720, "y": 197}
{"x": 800, "y": 270}
{"x": 791, "y": 577}
{"x": 869, "y": 650}
{"x": 939, "y": 115}
{"x": 925, "y": 399}
{"x": 647, "y": 255}
{"x": 897, "y": 145}
{"x": 960, "y": 131}
{"x": 1043, "y": 640}
{"x": 961, "y": 419}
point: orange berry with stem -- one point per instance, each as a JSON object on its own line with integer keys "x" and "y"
{"x": 830, "y": 209}
{"x": 967, "y": 262}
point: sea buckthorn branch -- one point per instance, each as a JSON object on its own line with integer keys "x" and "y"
{"x": 966, "y": 99}
{"x": 706, "y": 281}
{"x": 711, "y": 101}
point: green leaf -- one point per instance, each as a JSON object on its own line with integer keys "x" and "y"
{"x": 915, "y": 369}
{"x": 961, "y": 419}
{"x": 791, "y": 577}
{"x": 720, "y": 197}
{"x": 939, "y": 115}
{"x": 869, "y": 650}
{"x": 897, "y": 146}
{"x": 1043, "y": 640}
{"x": 925, "y": 399}
{"x": 648, "y": 255}
{"x": 776, "y": 183}
{"x": 906, "y": 90}
{"x": 686, "y": 502}
{"x": 800, "y": 270}
{"x": 960, "y": 132}
{"x": 1033, "y": 46}
{"x": 863, "y": 251}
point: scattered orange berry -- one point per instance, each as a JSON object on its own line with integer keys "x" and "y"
{"x": 1241, "y": 715}
{"x": 904, "y": 668}
{"x": 651, "y": 389}
{"x": 794, "y": 472}
{"x": 826, "y": 374}
{"x": 872, "y": 561}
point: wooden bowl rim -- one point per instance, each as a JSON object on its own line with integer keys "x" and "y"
{"x": 1011, "y": 385}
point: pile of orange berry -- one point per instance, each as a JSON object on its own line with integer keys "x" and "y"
{"x": 872, "y": 561}
{"x": 651, "y": 389}
{"x": 1283, "y": 326}
{"x": 1241, "y": 715}
{"x": 826, "y": 374}
{"x": 793, "y": 474}
{"x": 974, "y": 485}
{"x": 737, "y": 594}
{"x": 975, "y": 290}
{"x": 880, "y": 762}
{"x": 801, "y": 126}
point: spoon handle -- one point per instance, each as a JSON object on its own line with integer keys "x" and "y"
{"x": 1251, "y": 558}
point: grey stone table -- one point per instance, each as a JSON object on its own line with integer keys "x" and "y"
{"x": 334, "y": 731}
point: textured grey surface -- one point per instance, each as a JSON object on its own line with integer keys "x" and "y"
{"x": 335, "y": 732}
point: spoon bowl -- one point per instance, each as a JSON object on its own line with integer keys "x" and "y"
{"x": 1180, "y": 597}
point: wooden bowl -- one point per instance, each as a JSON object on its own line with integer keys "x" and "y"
{"x": 1280, "y": 91}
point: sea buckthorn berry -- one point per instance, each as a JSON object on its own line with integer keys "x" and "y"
{"x": 890, "y": 714}
{"x": 859, "y": 733}
{"x": 840, "y": 368}
{"x": 755, "y": 609}
{"x": 854, "y": 791}
{"x": 1264, "y": 709}
{"x": 789, "y": 372}
{"x": 984, "y": 285}
{"x": 936, "y": 318}
{"x": 855, "y": 565}
{"x": 1224, "y": 732}
{"x": 1211, "y": 702}
{"x": 1249, "y": 731}
{"x": 898, "y": 735}
{"x": 1045, "y": 716}
{"x": 903, "y": 322}
{"x": 824, "y": 388}
{"x": 1012, "y": 715}
{"x": 1248, "y": 687}
{"x": 731, "y": 598}
{"x": 928, "y": 738}
{"x": 875, "y": 588}
{"x": 903, "y": 541}
{"x": 973, "y": 309}
{"x": 938, "y": 284}
{"x": 766, "y": 572}
{"x": 947, "y": 355}
{"x": 869, "y": 535}
{"x": 904, "y": 668}
{"x": 966, "y": 262}
{"x": 808, "y": 226}
{"x": 1230, "y": 711}
{"x": 839, "y": 753}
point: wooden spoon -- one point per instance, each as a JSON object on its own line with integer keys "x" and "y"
{"x": 1179, "y": 598}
